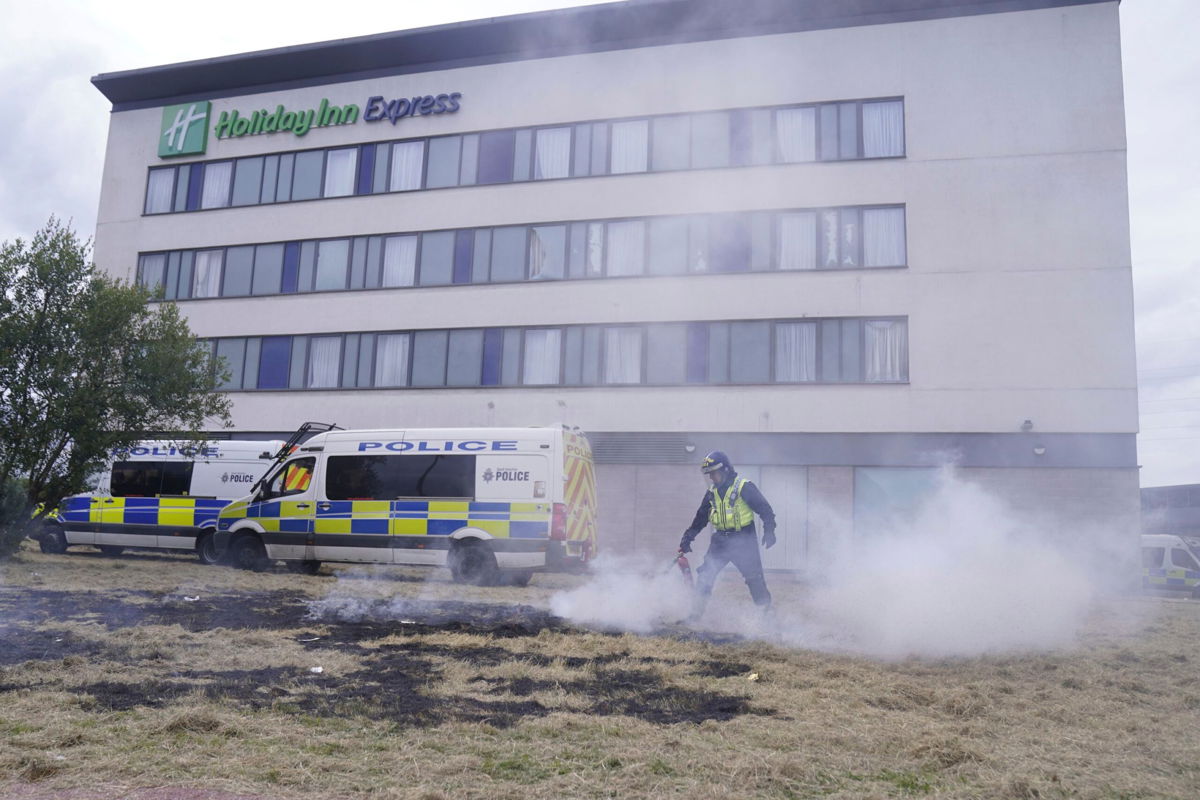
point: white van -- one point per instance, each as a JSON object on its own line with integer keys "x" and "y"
{"x": 492, "y": 504}
{"x": 160, "y": 495}
{"x": 1171, "y": 563}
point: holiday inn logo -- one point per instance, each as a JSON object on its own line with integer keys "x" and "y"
{"x": 184, "y": 129}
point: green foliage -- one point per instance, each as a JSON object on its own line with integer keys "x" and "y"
{"x": 87, "y": 366}
{"x": 14, "y": 516}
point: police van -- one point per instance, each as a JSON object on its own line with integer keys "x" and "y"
{"x": 1171, "y": 563}
{"x": 494, "y": 505}
{"x": 160, "y": 495}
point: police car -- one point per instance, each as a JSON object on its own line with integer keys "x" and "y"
{"x": 160, "y": 495}
{"x": 1171, "y": 563}
{"x": 492, "y": 504}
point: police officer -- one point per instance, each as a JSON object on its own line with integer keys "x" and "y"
{"x": 730, "y": 505}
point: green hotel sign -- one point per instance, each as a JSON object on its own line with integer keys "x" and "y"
{"x": 233, "y": 124}
{"x": 184, "y": 130}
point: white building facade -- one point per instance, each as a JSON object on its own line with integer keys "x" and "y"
{"x": 845, "y": 247}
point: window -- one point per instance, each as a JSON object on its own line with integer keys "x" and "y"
{"x": 547, "y": 252}
{"x": 443, "y": 165}
{"x": 324, "y": 362}
{"x": 796, "y": 132}
{"x": 160, "y": 189}
{"x": 268, "y": 269}
{"x": 273, "y": 362}
{"x": 626, "y": 248}
{"x": 629, "y": 146}
{"x": 306, "y": 177}
{"x": 795, "y": 352}
{"x": 217, "y": 183}
{"x": 341, "y": 169}
{"x": 294, "y": 477}
{"x": 798, "y": 240}
{"x": 750, "y": 352}
{"x": 465, "y": 358}
{"x": 883, "y": 129}
{"x": 508, "y": 254}
{"x": 666, "y": 354}
{"x": 710, "y": 140}
{"x": 1183, "y": 559}
{"x": 207, "y": 273}
{"x": 150, "y": 478}
{"x": 496, "y": 154}
{"x": 399, "y": 261}
{"x": 552, "y": 153}
{"x": 400, "y": 476}
{"x": 672, "y": 139}
{"x": 668, "y": 246}
{"x": 886, "y": 350}
{"x": 239, "y": 266}
{"x": 247, "y": 181}
{"x": 883, "y": 237}
{"x": 333, "y": 258}
{"x": 429, "y": 358}
{"x": 151, "y": 270}
{"x": 543, "y": 354}
{"x": 408, "y": 161}
{"x": 622, "y": 355}
{"x": 437, "y": 258}
{"x": 391, "y": 359}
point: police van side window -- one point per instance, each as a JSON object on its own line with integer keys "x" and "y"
{"x": 390, "y": 477}
{"x": 1152, "y": 557}
{"x": 294, "y": 478}
{"x": 1183, "y": 559}
{"x": 136, "y": 478}
{"x": 176, "y": 478}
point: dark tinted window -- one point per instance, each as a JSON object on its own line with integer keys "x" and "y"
{"x": 151, "y": 478}
{"x": 391, "y": 477}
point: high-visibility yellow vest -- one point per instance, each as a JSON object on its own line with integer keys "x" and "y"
{"x": 731, "y": 512}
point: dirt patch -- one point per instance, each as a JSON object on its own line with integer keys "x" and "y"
{"x": 402, "y": 683}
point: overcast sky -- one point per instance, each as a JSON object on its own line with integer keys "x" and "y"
{"x": 53, "y": 126}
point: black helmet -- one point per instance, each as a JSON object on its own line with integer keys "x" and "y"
{"x": 714, "y": 461}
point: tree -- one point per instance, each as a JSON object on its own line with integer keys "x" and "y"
{"x": 87, "y": 367}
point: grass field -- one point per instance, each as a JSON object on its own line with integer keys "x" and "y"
{"x": 118, "y": 674}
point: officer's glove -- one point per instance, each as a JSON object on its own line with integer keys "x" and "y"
{"x": 685, "y": 546}
{"x": 768, "y": 539}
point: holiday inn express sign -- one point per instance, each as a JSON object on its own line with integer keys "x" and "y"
{"x": 184, "y": 129}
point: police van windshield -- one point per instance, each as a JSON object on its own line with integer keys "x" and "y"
{"x": 151, "y": 478}
{"x": 389, "y": 477}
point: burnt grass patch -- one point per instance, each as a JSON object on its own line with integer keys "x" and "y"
{"x": 397, "y": 682}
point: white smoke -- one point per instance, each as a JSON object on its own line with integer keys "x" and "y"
{"x": 627, "y": 593}
{"x": 965, "y": 576}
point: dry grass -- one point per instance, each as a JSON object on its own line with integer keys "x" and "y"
{"x": 151, "y": 671}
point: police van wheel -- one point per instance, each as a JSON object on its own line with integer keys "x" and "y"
{"x": 304, "y": 567}
{"x": 473, "y": 562}
{"x": 53, "y": 541}
{"x": 206, "y": 549}
{"x": 111, "y": 549}
{"x": 247, "y": 553}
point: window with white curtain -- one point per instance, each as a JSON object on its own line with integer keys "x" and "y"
{"x": 340, "y": 170}
{"x": 883, "y": 129}
{"x": 150, "y": 273}
{"x": 798, "y": 240}
{"x": 883, "y": 237}
{"x": 391, "y": 359}
{"x": 324, "y": 362}
{"x": 886, "y": 350}
{"x": 218, "y": 180}
{"x": 796, "y": 129}
{"x": 595, "y": 248}
{"x": 552, "y": 153}
{"x": 160, "y": 190}
{"x": 206, "y": 273}
{"x": 626, "y": 247}
{"x": 630, "y": 146}
{"x": 399, "y": 260}
{"x": 622, "y": 355}
{"x": 547, "y": 252}
{"x": 408, "y": 162}
{"x": 795, "y": 352}
{"x": 543, "y": 356}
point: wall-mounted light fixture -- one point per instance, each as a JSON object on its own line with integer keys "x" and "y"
{"x": 1039, "y": 450}
{"x": 689, "y": 448}
{"x": 1027, "y": 425}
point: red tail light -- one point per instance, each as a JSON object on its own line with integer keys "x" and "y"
{"x": 558, "y": 523}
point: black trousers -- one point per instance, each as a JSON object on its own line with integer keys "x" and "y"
{"x": 740, "y": 548}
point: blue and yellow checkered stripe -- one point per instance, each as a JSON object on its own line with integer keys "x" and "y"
{"x": 176, "y": 512}
{"x": 1178, "y": 577}
{"x": 397, "y": 517}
